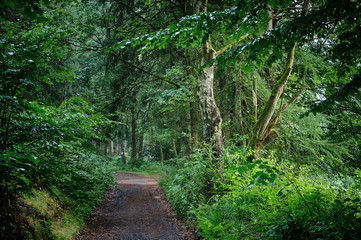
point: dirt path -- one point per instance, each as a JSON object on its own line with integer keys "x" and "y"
{"x": 134, "y": 209}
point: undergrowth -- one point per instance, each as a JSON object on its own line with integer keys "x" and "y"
{"x": 230, "y": 198}
{"x": 143, "y": 167}
{"x": 57, "y": 208}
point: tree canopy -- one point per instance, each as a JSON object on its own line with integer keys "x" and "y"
{"x": 230, "y": 87}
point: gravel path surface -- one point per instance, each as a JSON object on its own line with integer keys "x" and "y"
{"x": 134, "y": 209}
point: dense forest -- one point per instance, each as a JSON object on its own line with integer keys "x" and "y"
{"x": 251, "y": 109}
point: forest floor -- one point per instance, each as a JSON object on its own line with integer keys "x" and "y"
{"x": 134, "y": 209}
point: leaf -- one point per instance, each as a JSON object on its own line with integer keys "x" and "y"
{"x": 264, "y": 166}
{"x": 251, "y": 166}
{"x": 241, "y": 169}
{"x": 272, "y": 178}
{"x": 10, "y": 4}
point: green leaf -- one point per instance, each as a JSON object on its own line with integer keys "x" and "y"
{"x": 241, "y": 169}
{"x": 251, "y": 166}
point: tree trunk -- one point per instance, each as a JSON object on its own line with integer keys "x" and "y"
{"x": 134, "y": 137}
{"x": 270, "y": 107}
{"x": 254, "y": 95}
{"x": 210, "y": 115}
{"x": 98, "y": 145}
{"x": 104, "y": 148}
{"x": 267, "y": 120}
{"x": 161, "y": 154}
{"x": 175, "y": 150}
{"x": 152, "y": 141}
{"x": 112, "y": 150}
{"x": 121, "y": 151}
{"x": 140, "y": 149}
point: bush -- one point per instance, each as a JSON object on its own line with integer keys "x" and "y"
{"x": 233, "y": 199}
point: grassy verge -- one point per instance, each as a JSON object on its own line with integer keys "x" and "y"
{"x": 58, "y": 207}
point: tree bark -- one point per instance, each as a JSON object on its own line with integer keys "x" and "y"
{"x": 161, "y": 154}
{"x": 152, "y": 141}
{"x": 98, "y": 145}
{"x": 210, "y": 114}
{"x": 121, "y": 151}
{"x": 140, "y": 148}
{"x": 270, "y": 107}
{"x": 105, "y": 152}
{"x": 134, "y": 137}
{"x": 254, "y": 95}
{"x": 175, "y": 150}
{"x": 267, "y": 120}
{"x": 111, "y": 147}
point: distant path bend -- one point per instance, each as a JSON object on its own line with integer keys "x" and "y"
{"x": 134, "y": 210}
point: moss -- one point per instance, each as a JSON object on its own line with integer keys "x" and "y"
{"x": 47, "y": 219}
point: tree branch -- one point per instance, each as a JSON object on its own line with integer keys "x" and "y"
{"x": 147, "y": 72}
{"x": 149, "y": 23}
{"x": 225, "y": 48}
{"x": 275, "y": 119}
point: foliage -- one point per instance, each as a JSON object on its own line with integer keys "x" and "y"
{"x": 60, "y": 211}
{"x": 44, "y": 145}
{"x": 67, "y": 69}
{"x": 265, "y": 199}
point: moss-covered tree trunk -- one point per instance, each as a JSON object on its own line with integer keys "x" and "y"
{"x": 260, "y": 130}
{"x": 210, "y": 115}
{"x": 268, "y": 119}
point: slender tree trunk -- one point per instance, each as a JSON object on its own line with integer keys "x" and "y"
{"x": 152, "y": 141}
{"x": 134, "y": 137}
{"x": 161, "y": 154}
{"x": 254, "y": 94}
{"x": 175, "y": 150}
{"x": 104, "y": 148}
{"x": 140, "y": 149}
{"x": 98, "y": 145}
{"x": 111, "y": 147}
{"x": 122, "y": 151}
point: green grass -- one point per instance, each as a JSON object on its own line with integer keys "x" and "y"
{"x": 49, "y": 219}
{"x": 143, "y": 167}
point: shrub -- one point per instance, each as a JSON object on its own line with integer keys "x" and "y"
{"x": 268, "y": 198}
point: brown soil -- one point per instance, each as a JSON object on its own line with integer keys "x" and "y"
{"x": 134, "y": 209}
